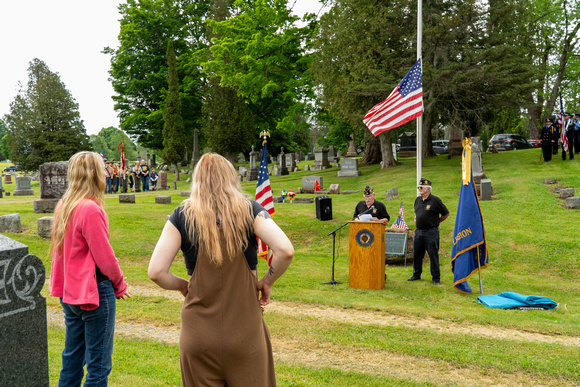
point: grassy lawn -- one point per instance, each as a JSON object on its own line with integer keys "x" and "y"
{"x": 533, "y": 243}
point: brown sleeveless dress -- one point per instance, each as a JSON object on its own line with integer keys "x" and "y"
{"x": 224, "y": 340}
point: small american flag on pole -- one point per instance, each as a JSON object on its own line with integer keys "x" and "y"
{"x": 400, "y": 221}
{"x": 264, "y": 198}
{"x": 402, "y": 105}
{"x": 563, "y": 136}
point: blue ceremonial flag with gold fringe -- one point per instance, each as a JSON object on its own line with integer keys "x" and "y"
{"x": 469, "y": 234}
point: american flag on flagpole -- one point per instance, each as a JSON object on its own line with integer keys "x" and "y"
{"x": 264, "y": 198}
{"x": 563, "y": 136}
{"x": 400, "y": 221}
{"x": 102, "y": 156}
{"x": 402, "y": 105}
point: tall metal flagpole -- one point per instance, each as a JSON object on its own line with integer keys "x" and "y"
{"x": 419, "y": 151}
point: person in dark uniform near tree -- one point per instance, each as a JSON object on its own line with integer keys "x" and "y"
{"x": 569, "y": 133}
{"x": 429, "y": 212}
{"x": 555, "y": 134}
{"x": 547, "y": 137}
{"x": 378, "y": 213}
{"x": 576, "y": 133}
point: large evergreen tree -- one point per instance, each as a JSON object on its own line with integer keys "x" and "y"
{"x": 44, "y": 123}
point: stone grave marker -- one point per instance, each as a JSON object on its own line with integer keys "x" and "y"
{"x": 24, "y": 342}
{"x": 162, "y": 199}
{"x": 10, "y": 223}
{"x": 163, "y": 180}
{"x": 253, "y": 171}
{"x": 320, "y": 159}
{"x": 308, "y": 183}
{"x": 573, "y": 203}
{"x": 23, "y": 186}
{"x": 44, "y": 227}
{"x": 334, "y": 189}
{"x": 283, "y": 170}
{"x": 53, "y": 184}
{"x": 127, "y": 198}
{"x": 349, "y": 168}
{"x": 291, "y": 161}
{"x": 8, "y": 179}
{"x": 566, "y": 193}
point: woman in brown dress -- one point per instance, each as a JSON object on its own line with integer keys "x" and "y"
{"x": 224, "y": 340}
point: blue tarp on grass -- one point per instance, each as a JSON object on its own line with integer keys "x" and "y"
{"x": 509, "y": 300}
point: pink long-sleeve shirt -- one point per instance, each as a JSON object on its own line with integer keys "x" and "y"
{"x": 85, "y": 246}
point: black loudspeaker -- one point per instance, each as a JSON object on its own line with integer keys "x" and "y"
{"x": 323, "y": 207}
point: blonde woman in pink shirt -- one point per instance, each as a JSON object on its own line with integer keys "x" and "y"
{"x": 85, "y": 274}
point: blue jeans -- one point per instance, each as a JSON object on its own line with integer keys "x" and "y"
{"x": 145, "y": 182}
{"x": 108, "y": 185}
{"x": 89, "y": 340}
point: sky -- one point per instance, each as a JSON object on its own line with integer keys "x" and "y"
{"x": 69, "y": 36}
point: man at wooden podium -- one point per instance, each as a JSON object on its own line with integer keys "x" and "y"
{"x": 378, "y": 212}
{"x": 429, "y": 212}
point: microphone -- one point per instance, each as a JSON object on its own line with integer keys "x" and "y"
{"x": 364, "y": 212}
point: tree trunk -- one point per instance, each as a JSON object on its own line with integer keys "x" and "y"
{"x": 534, "y": 116}
{"x": 176, "y": 166}
{"x": 387, "y": 149}
{"x": 372, "y": 153}
{"x": 427, "y": 134}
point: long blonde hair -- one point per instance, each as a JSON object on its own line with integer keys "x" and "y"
{"x": 217, "y": 215}
{"x": 86, "y": 180}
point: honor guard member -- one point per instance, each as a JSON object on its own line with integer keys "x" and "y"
{"x": 569, "y": 133}
{"x": 429, "y": 212}
{"x": 577, "y": 133}
{"x": 378, "y": 213}
{"x": 555, "y": 134}
{"x": 547, "y": 137}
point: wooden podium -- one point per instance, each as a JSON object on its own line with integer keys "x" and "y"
{"x": 366, "y": 255}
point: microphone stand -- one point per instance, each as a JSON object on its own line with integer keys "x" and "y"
{"x": 333, "y": 233}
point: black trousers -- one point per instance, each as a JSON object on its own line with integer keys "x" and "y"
{"x": 547, "y": 152}
{"x": 426, "y": 240}
{"x": 576, "y": 141}
{"x": 570, "y": 135}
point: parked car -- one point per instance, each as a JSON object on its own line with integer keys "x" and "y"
{"x": 508, "y": 141}
{"x": 535, "y": 143}
{"x": 440, "y": 146}
{"x": 11, "y": 168}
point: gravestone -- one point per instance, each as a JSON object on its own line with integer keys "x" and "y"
{"x": 566, "y": 193}
{"x": 320, "y": 159}
{"x": 558, "y": 188}
{"x": 53, "y": 184}
{"x": 162, "y": 180}
{"x": 351, "y": 152}
{"x": 8, "y": 179}
{"x": 485, "y": 190}
{"x": 308, "y": 183}
{"x": 174, "y": 185}
{"x": 334, "y": 189}
{"x": 389, "y": 195}
{"x": 304, "y": 200}
{"x": 10, "y": 223}
{"x": 299, "y": 155}
{"x": 310, "y": 157}
{"x": 127, "y": 198}
{"x": 395, "y": 191}
{"x": 23, "y": 186}
{"x": 283, "y": 170}
{"x": 291, "y": 161}
{"x": 162, "y": 199}
{"x": 573, "y": 203}
{"x": 186, "y": 193}
{"x": 270, "y": 169}
{"x": 24, "y": 342}
{"x": 331, "y": 154}
{"x": 455, "y": 145}
{"x": 307, "y": 167}
{"x": 550, "y": 181}
{"x": 349, "y": 168}
{"x": 476, "y": 163}
{"x": 253, "y": 171}
{"x": 1, "y": 188}
{"x": 44, "y": 227}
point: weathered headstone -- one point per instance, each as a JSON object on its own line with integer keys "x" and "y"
{"x": 283, "y": 170}
{"x": 186, "y": 193}
{"x": 310, "y": 156}
{"x": 299, "y": 155}
{"x": 566, "y": 193}
{"x": 308, "y": 183}
{"x": 163, "y": 180}
{"x": 351, "y": 152}
{"x": 334, "y": 189}
{"x": 395, "y": 191}
{"x": 476, "y": 162}
{"x": 8, "y": 179}
{"x": 174, "y": 185}
{"x": 573, "y": 203}
{"x": 291, "y": 161}
{"x": 44, "y": 226}
{"x": 127, "y": 198}
{"x": 53, "y": 184}
{"x": 320, "y": 159}
{"x": 550, "y": 181}
{"x": 10, "y": 223}
{"x": 253, "y": 171}
{"x": 349, "y": 168}
{"x": 304, "y": 200}
{"x": 558, "y": 188}
{"x": 485, "y": 190}
{"x": 389, "y": 194}
{"x": 307, "y": 167}
{"x": 23, "y": 333}
{"x": 162, "y": 199}
{"x": 23, "y": 186}
{"x": 270, "y": 169}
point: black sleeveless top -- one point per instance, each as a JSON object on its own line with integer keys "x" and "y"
{"x": 189, "y": 249}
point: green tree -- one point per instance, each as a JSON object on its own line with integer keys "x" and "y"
{"x": 44, "y": 123}
{"x": 173, "y": 136}
{"x": 139, "y": 65}
{"x": 261, "y": 54}
{"x": 110, "y": 138}
{"x": 5, "y": 154}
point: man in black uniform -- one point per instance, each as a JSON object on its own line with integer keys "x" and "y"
{"x": 568, "y": 130}
{"x": 556, "y": 134}
{"x": 547, "y": 136}
{"x": 428, "y": 209}
{"x": 379, "y": 212}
